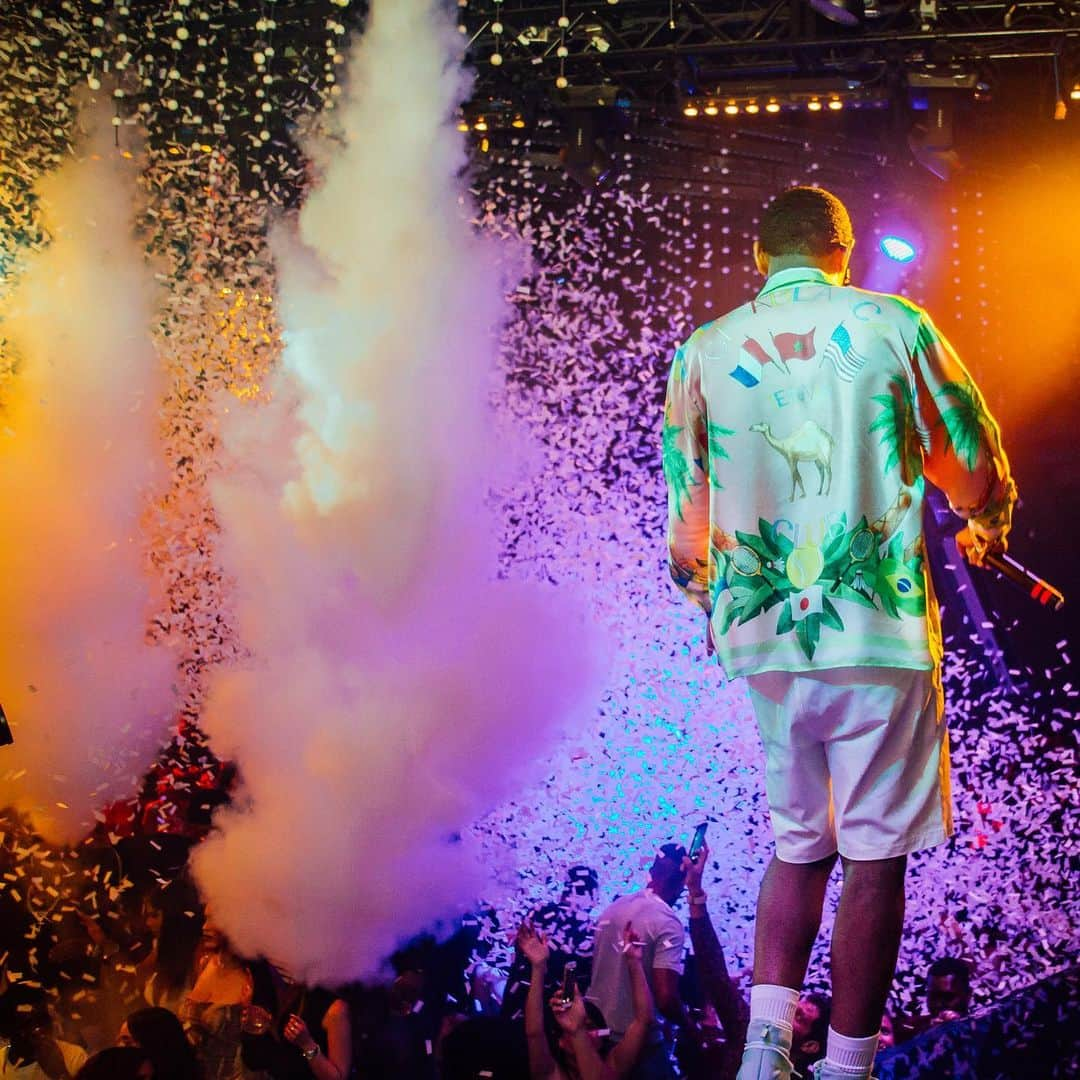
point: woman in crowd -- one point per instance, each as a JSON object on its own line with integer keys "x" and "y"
{"x": 294, "y": 1032}
{"x": 175, "y": 956}
{"x": 160, "y": 1034}
{"x": 569, "y": 1043}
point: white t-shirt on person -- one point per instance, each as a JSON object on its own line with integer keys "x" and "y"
{"x": 655, "y": 924}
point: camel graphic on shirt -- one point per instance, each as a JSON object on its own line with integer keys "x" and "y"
{"x": 811, "y": 442}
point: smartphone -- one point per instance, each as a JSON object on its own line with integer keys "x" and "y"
{"x": 698, "y": 842}
{"x": 6, "y": 738}
{"x": 567, "y": 990}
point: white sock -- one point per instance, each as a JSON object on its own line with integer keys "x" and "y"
{"x": 774, "y": 1004}
{"x": 852, "y": 1055}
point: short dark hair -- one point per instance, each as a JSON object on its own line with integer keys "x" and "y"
{"x": 805, "y": 221}
{"x": 114, "y": 1063}
{"x": 667, "y": 866}
{"x": 951, "y": 965}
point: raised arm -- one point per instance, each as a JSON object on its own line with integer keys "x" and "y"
{"x": 716, "y": 985}
{"x": 534, "y": 948}
{"x": 625, "y": 1056}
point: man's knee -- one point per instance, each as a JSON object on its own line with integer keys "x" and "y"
{"x": 875, "y": 873}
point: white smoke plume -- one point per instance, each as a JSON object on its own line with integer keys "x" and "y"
{"x": 397, "y": 690}
{"x": 89, "y": 699}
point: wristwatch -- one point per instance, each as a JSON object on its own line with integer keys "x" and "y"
{"x": 312, "y": 1054}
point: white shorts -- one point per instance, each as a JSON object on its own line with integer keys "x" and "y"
{"x": 856, "y": 761}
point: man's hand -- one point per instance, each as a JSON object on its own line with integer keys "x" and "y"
{"x": 569, "y": 1015}
{"x": 694, "y": 869}
{"x": 533, "y": 945}
{"x": 975, "y": 547}
{"x": 632, "y": 947}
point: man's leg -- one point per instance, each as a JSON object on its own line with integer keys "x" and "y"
{"x": 865, "y": 943}
{"x": 788, "y": 920}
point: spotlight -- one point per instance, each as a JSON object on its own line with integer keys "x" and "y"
{"x": 932, "y": 141}
{"x": 712, "y": 109}
{"x": 753, "y": 108}
{"x": 814, "y": 105}
{"x": 898, "y": 249}
{"x": 731, "y": 109}
{"x": 844, "y": 12}
{"x": 584, "y": 156}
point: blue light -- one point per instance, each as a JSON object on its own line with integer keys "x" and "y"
{"x": 898, "y": 249}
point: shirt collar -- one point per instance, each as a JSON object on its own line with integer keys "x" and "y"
{"x": 659, "y": 899}
{"x": 794, "y": 275}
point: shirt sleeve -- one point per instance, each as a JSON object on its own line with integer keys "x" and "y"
{"x": 670, "y": 947}
{"x": 963, "y": 455}
{"x": 686, "y": 471}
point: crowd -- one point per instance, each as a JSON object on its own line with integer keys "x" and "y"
{"x": 153, "y": 989}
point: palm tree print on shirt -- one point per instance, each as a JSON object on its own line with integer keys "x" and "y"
{"x": 717, "y": 452}
{"x": 899, "y": 437}
{"x": 965, "y": 420}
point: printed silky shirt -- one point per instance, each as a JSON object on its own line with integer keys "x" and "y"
{"x": 798, "y": 432}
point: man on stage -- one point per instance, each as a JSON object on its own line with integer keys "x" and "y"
{"x": 799, "y": 431}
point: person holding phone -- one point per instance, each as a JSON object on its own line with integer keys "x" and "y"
{"x": 663, "y": 944}
{"x": 800, "y": 431}
{"x": 572, "y": 1040}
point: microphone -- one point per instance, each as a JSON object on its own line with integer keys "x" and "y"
{"x": 1023, "y": 578}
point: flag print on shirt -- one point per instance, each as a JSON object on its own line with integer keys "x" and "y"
{"x": 846, "y": 362}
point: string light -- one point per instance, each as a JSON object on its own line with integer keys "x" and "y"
{"x": 814, "y": 105}
{"x": 690, "y": 109}
{"x": 731, "y": 108}
{"x": 773, "y": 106}
{"x": 712, "y": 109}
{"x": 835, "y": 104}
{"x": 752, "y": 108}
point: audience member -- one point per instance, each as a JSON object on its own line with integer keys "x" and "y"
{"x": 295, "y": 1032}
{"x": 887, "y": 1038}
{"x": 483, "y": 1046}
{"x": 948, "y": 990}
{"x": 215, "y": 1009}
{"x": 573, "y": 1039}
{"x": 661, "y": 932}
{"x": 567, "y": 927}
{"x": 715, "y": 1053}
{"x": 810, "y": 1030}
{"x": 32, "y": 1051}
{"x": 161, "y": 1035}
{"x": 118, "y": 1063}
{"x": 177, "y": 950}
